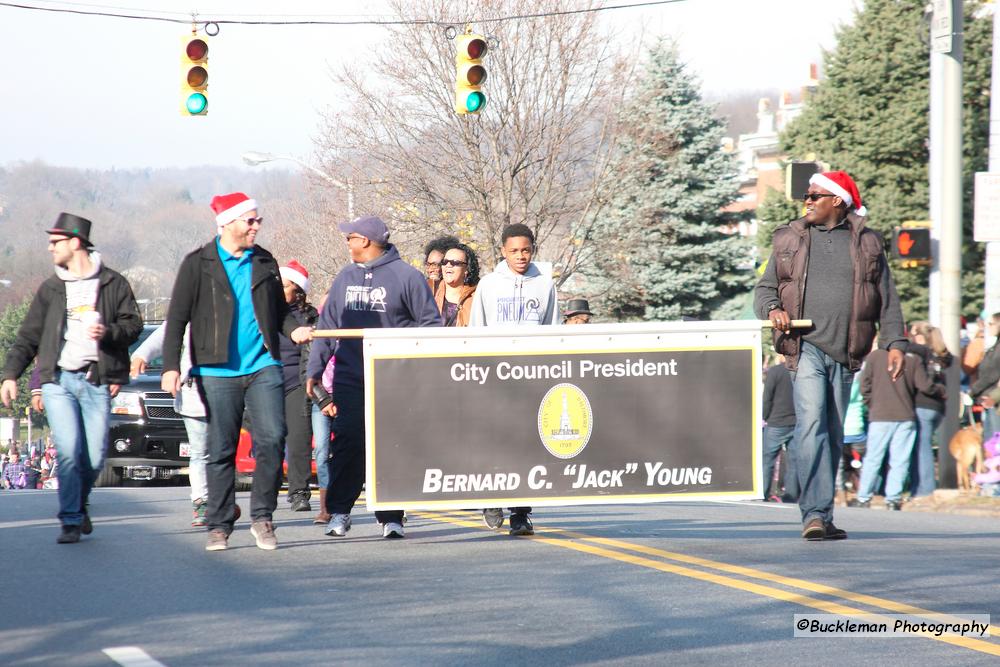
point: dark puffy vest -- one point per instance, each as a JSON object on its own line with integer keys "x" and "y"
{"x": 791, "y": 252}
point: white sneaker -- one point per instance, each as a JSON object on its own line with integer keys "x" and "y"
{"x": 339, "y": 525}
{"x": 392, "y": 530}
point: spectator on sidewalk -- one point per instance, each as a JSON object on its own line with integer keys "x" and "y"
{"x": 987, "y": 377}
{"x": 927, "y": 343}
{"x": 577, "y": 312}
{"x": 15, "y": 473}
{"x": 893, "y": 423}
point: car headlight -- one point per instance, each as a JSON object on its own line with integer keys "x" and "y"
{"x": 126, "y": 403}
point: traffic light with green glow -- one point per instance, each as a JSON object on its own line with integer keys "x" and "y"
{"x": 194, "y": 76}
{"x": 469, "y": 74}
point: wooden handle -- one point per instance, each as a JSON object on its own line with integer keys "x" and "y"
{"x": 796, "y": 324}
{"x": 339, "y": 333}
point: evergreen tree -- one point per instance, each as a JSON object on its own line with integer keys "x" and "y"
{"x": 870, "y": 117}
{"x": 660, "y": 252}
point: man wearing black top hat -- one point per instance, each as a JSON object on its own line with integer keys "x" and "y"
{"x": 577, "y": 312}
{"x": 79, "y": 326}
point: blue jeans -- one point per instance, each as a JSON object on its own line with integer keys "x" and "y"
{"x": 322, "y": 426}
{"x": 262, "y": 394}
{"x": 898, "y": 438}
{"x": 197, "y": 433}
{"x": 821, "y": 388}
{"x": 774, "y": 438}
{"x": 78, "y": 413}
{"x": 922, "y": 464}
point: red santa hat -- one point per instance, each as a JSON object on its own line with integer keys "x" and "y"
{"x": 296, "y": 273}
{"x": 229, "y": 207}
{"x": 841, "y": 184}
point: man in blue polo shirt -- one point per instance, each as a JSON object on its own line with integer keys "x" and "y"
{"x": 230, "y": 292}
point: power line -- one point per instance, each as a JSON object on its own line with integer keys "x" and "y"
{"x": 343, "y": 22}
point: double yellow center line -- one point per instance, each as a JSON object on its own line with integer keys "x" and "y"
{"x": 680, "y": 564}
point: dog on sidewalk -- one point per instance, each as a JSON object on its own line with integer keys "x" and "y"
{"x": 966, "y": 448}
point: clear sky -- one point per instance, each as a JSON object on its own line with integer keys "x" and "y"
{"x": 96, "y": 92}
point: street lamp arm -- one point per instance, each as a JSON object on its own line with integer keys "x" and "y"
{"x": 254, "y": 158}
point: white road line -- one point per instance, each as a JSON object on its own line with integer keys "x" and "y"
{"x": 756, "y": 503}
{"x": 131, "y": 656}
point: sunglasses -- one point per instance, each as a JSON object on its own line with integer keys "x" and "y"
{"x": 453, "y": 262}
{"x": 814, "y": 196}
{"x": 253, "y": 221}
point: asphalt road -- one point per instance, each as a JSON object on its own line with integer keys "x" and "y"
{"x": 683, "y": 583}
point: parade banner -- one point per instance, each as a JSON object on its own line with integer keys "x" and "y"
{"x": 562, "y": 415}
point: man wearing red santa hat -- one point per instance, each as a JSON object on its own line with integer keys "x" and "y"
{"x": 830, "y": 268}
{"x": 230, "y": 292}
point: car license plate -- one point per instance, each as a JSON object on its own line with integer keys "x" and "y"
{"x": 185, "y": 450}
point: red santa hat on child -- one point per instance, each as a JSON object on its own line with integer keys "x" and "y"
{"x": 229, "y": 207}
{"x": 841, "y": 184}
{"x": 296, "y": 273}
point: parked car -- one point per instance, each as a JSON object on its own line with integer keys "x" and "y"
{"x": 246, "y": 463}
{"x": 147, "y": 440}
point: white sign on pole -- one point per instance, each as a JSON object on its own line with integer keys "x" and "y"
{"x": 986, "y": 215}
{"x": 941, "y": 26}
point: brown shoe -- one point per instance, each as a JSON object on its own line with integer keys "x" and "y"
{"x": 217, "y": 540}
{"x": 323, "y": 517}
{"x": 263, "y": 532}
{"x": 814, "y": 530}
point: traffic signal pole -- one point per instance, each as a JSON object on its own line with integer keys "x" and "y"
{"x": 946, "y": 204}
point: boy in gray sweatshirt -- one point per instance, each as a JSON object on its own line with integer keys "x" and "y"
{"x": 515, "y": 294}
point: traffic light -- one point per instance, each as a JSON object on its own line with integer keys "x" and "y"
{"x": 797, "y": 176}
{"x": 469, "y": 74}
{"x": 912, "y": 245}
{"x": 194, "y": 76}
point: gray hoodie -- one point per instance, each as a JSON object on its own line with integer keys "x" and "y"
{"x": 81, "y": 312}
{"x": 505, "y": 298}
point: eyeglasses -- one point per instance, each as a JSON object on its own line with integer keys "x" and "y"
{"x": 53, "y": 242}
{"x": 814, "y": 196}
{"x": 253, "y": 221}
{"x": 351, "y": 237}
{"x": 453, "y": 262}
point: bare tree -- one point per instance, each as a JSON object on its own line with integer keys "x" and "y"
{"x": 538, "y": 154}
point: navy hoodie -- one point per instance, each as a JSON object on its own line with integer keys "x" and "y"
{"x": 387, "y": 292}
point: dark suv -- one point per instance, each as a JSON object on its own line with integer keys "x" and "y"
{"x": 147, "y": 440}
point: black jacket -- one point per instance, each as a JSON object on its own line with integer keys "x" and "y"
{"x": 203, "y": 296}
{"x": 43, "y": 330}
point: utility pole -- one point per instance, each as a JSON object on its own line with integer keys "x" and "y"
{"x": 946, "y": 202}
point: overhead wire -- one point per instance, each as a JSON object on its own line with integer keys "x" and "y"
{"x": 194, "y": 16}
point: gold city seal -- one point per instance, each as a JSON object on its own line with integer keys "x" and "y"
{"x": 565, "y": 420}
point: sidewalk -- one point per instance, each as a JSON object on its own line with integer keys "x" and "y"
{"x": 946, "y": 501}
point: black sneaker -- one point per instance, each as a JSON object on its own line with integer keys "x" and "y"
{"x": 86, "y": 527}
{"x": 520, "y": 524}
{"x": 300, "y": 503}
{"x": 493, "y": 518}
{"x": 69, "y": 535}
{"x": 893, "y": 505}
